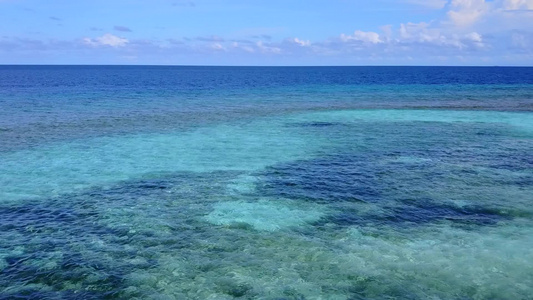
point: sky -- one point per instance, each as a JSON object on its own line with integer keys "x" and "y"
{"x": 267, "y": 32}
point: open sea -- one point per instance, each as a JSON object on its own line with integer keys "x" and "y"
{"x": 149, "y": 182}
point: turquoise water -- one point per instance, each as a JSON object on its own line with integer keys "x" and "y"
{"x": 266, "y": 183}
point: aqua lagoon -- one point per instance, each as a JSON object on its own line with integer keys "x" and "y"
{"x": 123, "y": 182}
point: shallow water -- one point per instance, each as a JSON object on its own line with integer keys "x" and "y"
{"x": 266, "y": 183}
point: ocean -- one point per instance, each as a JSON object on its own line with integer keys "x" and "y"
{"x": 168, "y": 182}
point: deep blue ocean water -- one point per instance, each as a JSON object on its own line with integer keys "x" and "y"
{"x": 147, "y": 182}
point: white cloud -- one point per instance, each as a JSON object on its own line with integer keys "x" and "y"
{"x": 424, "y": 33}
{"x": 518, "y": 4}
{"x": 464, "y": 18}
{"x": 106, "y": 40}
{"x": 301, "y": 42}
{"x": 471, "y": 29}
{"x": 467, "y": 12}
{"x": 475, "y": 37}
{"x": 412, "y": 31}
{"x": 245, "y": 47}
{"x": 363, "y": 36}
{"x": 267, "y": 48}
{"x": 496, "y": 17}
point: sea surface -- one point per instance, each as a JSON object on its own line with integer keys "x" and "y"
{"x": 151, "y": 182}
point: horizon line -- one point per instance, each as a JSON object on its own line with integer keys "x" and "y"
{"x": 271, "y": 66}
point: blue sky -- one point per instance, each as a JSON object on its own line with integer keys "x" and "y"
{"x": 260, "y": 32}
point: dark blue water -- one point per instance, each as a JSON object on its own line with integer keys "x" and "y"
{"x": 266, "y": 182}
